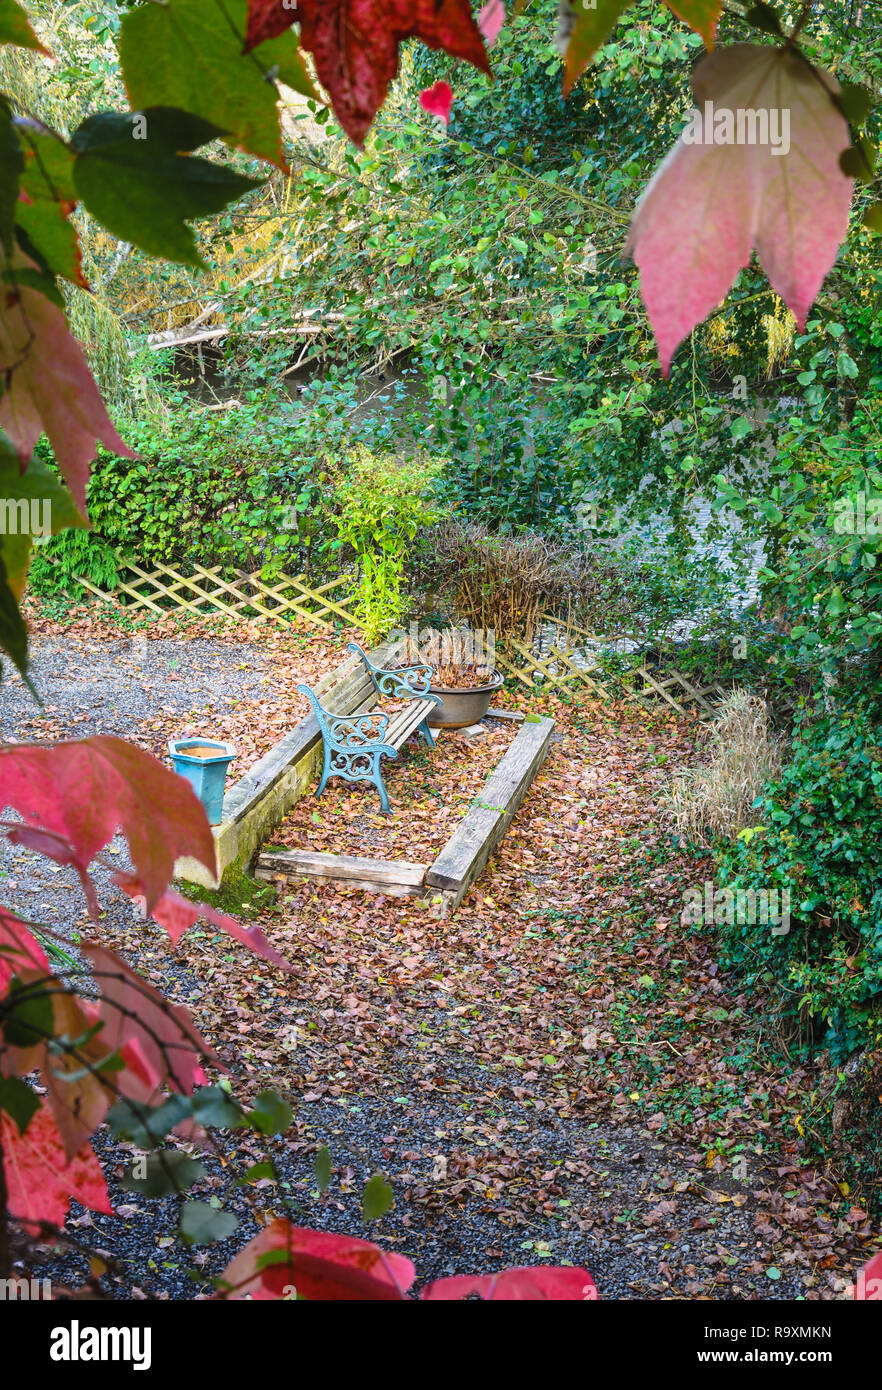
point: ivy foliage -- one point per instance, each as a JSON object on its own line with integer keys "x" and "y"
{"x": 818, "y": 836}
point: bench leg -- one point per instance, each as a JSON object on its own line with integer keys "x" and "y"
{"x": 426, "y": 734}
{"x": 376, "y": 777}
{"x": 326, "y": 773}
{"x": 357, "y": 773}
{"x": 384, "y": 799}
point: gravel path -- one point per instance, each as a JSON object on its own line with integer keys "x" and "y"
{"x": 113, "y": 687}
{"x": 106, "y": 687}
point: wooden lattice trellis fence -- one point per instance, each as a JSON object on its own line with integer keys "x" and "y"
{"x": 562, "y": 664}
{"x": 161, "y": 589}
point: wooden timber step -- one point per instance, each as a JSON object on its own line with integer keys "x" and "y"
{"x": 490, "y": 814}
{"x": 398, "y": 878}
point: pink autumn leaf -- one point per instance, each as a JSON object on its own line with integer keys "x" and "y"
{"x": 491, "y": 20}
{"x": 319, "y": 1265}
{"x": 58, "y": 849}
{"x": 869, "y": 1281}
{"x": 143, "y": 1079}
{"x": 718, "y": 196}
{"x": 141, "y": 1082}
{"x": 48, "y": 387}
{"x": 169, "y": 1043}
{"x": 438, "y": 100}
{"x": 177, "y": 914}
{"x": 44, "y": 842}
{"x": 513, "y": 1285}
{"x": 40, "y": 1180}
{"x": 84, "y": 791}
{"x": 19, "y": 950}
{"x": 139, "y": 1079}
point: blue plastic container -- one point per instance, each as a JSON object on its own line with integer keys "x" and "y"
{"x": 206, "y": 774}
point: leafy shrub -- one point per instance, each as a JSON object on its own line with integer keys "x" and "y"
{"x": 820, "y": 836}
{"x": 74, "y": 554}
{"x": 383, "y": 503}
{"x": 716, "y": 798}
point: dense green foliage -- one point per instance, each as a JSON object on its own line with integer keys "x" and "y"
{"x": 820, "y": 830}
{"x": 249, "y": 488}
{"x": 383, "y": 502}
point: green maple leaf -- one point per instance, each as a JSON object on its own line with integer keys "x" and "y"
{"x": 593, "y": 23}
{"x": 131, "y": 176}
{"x": 178, "y": 54}
{"x": 377, "y": 1198}
{"x": 47, "y": 179}
{"x": 591, "y": 27}
{"x": 15, "y": 27}
{"x": 54, "y": 505}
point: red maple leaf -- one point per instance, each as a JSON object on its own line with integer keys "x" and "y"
{"x": 49, "y": 388}
{"x": 355, "y": 44}
{"x": 82, "y": 791}
{"x": 169, "y": 1044}
{"x": 39, "y": 1180}
{"x": 438, "y": 100}
{"x": 319, "y": 1264}
{"x": 532, "y": 1285}
{"x": 869, "y": 1282}
{"x": 18, "y": 949}
{"x": 325, "y": 1266}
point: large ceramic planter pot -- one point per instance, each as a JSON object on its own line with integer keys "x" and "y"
{"x": 461, "y": 707}
{"x": 204, "y": 763}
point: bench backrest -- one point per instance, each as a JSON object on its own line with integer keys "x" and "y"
{"x": 351, "y": 689}
{"x": 348, "y": 695}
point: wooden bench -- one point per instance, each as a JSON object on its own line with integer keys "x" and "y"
{"x": 354, "y": 743}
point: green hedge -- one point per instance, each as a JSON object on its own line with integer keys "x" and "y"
{"x": 242, "y": 488}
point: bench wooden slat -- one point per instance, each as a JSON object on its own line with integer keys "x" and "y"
{"x": 398, "y": 724}
{"x": 336, "y": 678}
{"x": 343, "y": 698}
{"x": 405, "y": 721}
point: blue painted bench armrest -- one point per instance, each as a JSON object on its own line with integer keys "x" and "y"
{"x": 360, "y": 731}
{"x": 348, "y": 730}
{"x": 407, "y": 680}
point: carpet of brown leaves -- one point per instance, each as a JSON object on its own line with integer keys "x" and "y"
{"x": 430, "y": 790}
